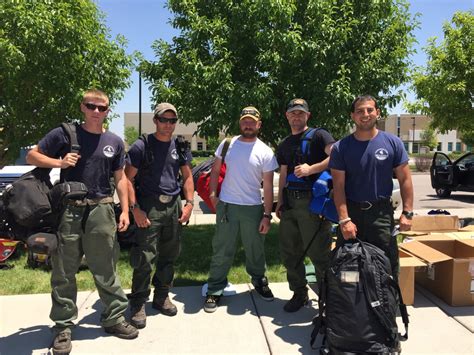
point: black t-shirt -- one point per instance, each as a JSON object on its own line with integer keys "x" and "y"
{"x": 101, "y": 155}
{"x": 163, "y": 175}
{"x": 289, "y": 148}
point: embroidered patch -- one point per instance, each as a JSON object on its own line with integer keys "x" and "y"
{"x": 108, "y": 151}
{"x": 381, "y": 154}
{"x": 174, "y": 154}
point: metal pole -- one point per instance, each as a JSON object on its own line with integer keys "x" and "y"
{"x": 413, "y": 141}
{"x": 139, "y": 103}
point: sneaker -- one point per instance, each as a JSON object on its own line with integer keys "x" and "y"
{"x": 263, "y": 290}
{"x": 299, "y": 299}
{"x": 138, "y": 316}
{"x": 210, "y": 305}
{"x": 122, "y": 330}
{"x": 165, "y": 306}
{"x": 62, "y": 343}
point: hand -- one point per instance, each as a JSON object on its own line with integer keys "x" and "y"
{"x": 124, "y": 222}
{"x": 302, "y": 170}
{"x": 141, "y": 219}
{"x": 264, "y": 226}
{"x": 69, "y": 160}
{"x": 278, "y": 210}
{"x": 214, "y": 200}
{"x": 405, "y": 223}
{"x": 349, "y": 230}
{"x": 186, "y": 213}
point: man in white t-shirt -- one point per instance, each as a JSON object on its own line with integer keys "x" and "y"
{"x": 239, "y": 208}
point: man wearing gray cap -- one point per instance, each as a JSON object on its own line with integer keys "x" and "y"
{"x": 152, "y": 167}
{"x": 301, "y": 230}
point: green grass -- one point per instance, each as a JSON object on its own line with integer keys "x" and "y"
{"x": 192, "y": 266}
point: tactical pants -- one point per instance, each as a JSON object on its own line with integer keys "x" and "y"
{"x": 98, "y": 242}
{"x": 159, "y": 245}
{"x": 232, "y": 220}
{"x": 375, "y": 225}
{"x": 298, "y": 226}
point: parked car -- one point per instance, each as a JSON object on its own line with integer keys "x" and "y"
{"x": 10, "y": 173}
{"x": 448, "y": 176}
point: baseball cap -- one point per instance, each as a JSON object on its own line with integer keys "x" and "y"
{"x": 251, "y": 112}
{"x": 297, "y": 104}
{"x": 162, "y": 107}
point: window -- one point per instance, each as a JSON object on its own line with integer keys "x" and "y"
{"x": 439, "y": 148}
{"x": 416, "y": 148}
{"x": 200, "y": 146}
{"x": 458, "y": 146}
{"x": 405, "y": 144}
{"x": 450, "y": 146}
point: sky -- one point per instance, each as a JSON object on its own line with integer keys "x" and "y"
{"x": 144, "y": 21}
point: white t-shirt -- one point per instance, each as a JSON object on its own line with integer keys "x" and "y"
{"x": 246, "y": 162}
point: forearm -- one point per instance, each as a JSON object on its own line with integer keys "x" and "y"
{"x": 188, "y": 188}
{"x": 122, "y": 192}
{"x": 41, "y": 160}
{"x": 282, "y": 182}
{"x": 268, "y": 198}
{"x": 214, "y": 179}
{"x": 319, "y": 167}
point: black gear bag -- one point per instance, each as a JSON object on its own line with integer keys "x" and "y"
{"x": 358, "y": 303}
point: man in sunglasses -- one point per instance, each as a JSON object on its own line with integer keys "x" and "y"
{"x": 154, "y": 196}
{"x": 239, "y": 209}
{"x": 87, "y": 227}
{"x": 301, "y": 230}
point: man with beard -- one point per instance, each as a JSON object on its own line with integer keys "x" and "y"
{"x": 299, "y": 228}
{"x": 239, "y": 208}
{"x": 362, "y": 165}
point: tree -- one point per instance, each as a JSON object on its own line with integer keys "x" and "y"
{"x": 50, "y": 52}
{"x": 445, "y": 88}
{"x": 131, "y": 135}
{"x": 428, "y": 138}
{"x": 231, "y": 54}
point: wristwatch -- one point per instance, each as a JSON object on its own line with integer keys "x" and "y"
{"x": 189, "y": 202}
{"x": 267, "y": 215}
{"x": 132, "y": 207}
{"x": 408, "y": 214}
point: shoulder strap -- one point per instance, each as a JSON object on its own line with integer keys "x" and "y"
{"x": 182, "y": 147}
{"x": 225, "y": 148}
{"x": 71, "y": 131}
{"x": 147, "y": 153}
{"x": 306, "y": 140}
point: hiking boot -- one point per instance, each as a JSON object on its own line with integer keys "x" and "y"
{"x": 210, "y": 305}
{"x": 138, "y": 316}
{"x": 299, "y": 299}
{"x": 165, "y": 306}
{"x": 62, "y": 343}
{"x": 122, "y": 330}
{"x": 263, "y": 290}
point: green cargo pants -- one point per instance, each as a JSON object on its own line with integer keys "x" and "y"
{"x": 98, "y": 242}
{"x": 298, "y": 226}
{"x": 375, "y": 225}
{"x": 159, "y": 244}
{"x": 232, "y": 220}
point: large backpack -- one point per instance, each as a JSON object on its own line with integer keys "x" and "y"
{"x": 358, "y": 303}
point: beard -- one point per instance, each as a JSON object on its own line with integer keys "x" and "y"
{"x": 249, "y": 133}
{"x": 367, "y": 126}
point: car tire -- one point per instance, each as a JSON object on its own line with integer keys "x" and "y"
{"x": 443, "y": 192}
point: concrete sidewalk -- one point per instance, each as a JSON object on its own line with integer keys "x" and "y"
{"x": 243, "y": 324}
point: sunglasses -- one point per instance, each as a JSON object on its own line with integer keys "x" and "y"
{"x": 92, "y": 107}
{"x": 250, "y": 112}
{"x": 172, "y": 120}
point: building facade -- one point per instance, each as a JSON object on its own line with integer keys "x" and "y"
{"x": 410, "y": 128}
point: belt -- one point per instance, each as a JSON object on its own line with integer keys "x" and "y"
{"x": 165, "y": 198}
{"x": 90, "y": 201}
{"x": 367, "y": 205}
{"x": 299, "y": 194}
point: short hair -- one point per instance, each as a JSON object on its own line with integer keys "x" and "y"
{"x": 95, "y": 94}
{"x": 363, "y": 98}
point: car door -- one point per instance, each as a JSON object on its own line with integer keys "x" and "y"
{"x": 463, "y": 172}
{"x": 441, "y": 171}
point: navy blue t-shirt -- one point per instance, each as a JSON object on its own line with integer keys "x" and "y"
{"x": 368, "y": 165}
{"x": 101, "y": 155}
{"x": 164, "y": 169}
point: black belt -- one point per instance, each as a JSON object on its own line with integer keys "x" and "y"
{"x": 299, "y": 194}
{"x": 367, "y": 205}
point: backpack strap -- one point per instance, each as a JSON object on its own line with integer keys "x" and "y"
{"x": 71, "y": 131}
{"x": 225, "y": 148}
{"x": 306, "y": 140}
{"x": 147, "y": 153}
{"x": 182, "y": 147}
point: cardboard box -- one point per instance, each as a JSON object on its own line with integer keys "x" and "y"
{"x": 406, "y": 279}
{"x": 450, "y": 271}
{"x": 435, "y": 223}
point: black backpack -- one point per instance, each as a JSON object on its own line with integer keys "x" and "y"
{"x": 32, "y": 203}
{"x": 358, "y": 303}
